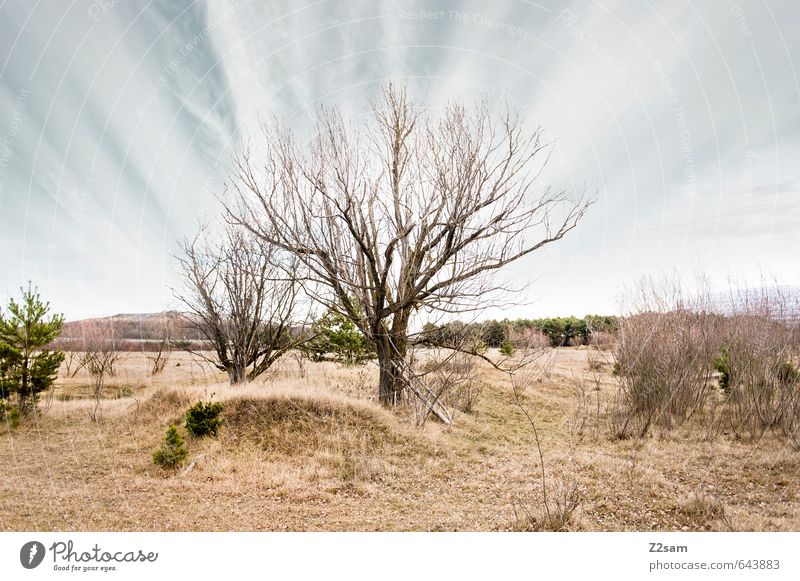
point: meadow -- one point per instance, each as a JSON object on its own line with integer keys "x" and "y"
{"x": 308, "y": 447}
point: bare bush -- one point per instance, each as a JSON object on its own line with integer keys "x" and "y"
{"x": 603, "y": 340}
{"x": 73, "y": 362}
{"x": 759, "y": 360}
{"x": 100, "y": 356}
{"x": 663, "y": 358}
{"x": 670, "y": 346}
{"x": 452, "y": 379}
{"x": 560, "y": 497}
{"x": 160, "y": 355}
{"x": 528, "y": 338}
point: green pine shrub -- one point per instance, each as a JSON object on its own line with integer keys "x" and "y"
{"x": 203, "y": 419}
{"x": 172, "y": 451}
{"x": 507, "y": 349}
{"x": 722, "y": 364}
{"x": 9, "y": 415}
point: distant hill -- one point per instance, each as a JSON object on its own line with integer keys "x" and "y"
{"x": 132, "y": 331}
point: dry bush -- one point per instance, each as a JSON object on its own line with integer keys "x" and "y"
{"x": 702, "y": 509}
{"x": 560, "y": 497}
{"x": 663, "y": 358}
{"x": 595, "y": 362}
{"x": 669, "y": 347}
{"x": 603, "y": 340}
{"x": 451, "y": 379}
{"x": 576, "y": 342}
{"x": 663, "y": 364}
{"x": 528, "y": 339}
{"x": 100, "y": 356}
{"x": 760, "y": 352}
{"x": 556, "y": 516}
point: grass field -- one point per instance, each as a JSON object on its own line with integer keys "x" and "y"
{"x": 307, "y": 448}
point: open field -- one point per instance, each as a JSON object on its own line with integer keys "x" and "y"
{"x": 307, "y": 448}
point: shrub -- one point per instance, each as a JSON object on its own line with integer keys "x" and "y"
{"x": 172, "y": 451}
{"x": 10, "y": 415}
{"x": 203, "y": 419}
{"x": 670, "y": 344}
{"x": 603, "y": 339}
{"x": 763, "y": 391}
{"x": 336, "y": 338}
{"x": 722, "y": 364}
{"x": 663, "y": 366}
{"x": 788, "y": 374}
{"x": 449, "y": 377}
{"x": 507, "y": 349}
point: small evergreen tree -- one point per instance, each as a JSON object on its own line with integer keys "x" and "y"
{"x": 172, "y": 452}
{"x": 722, "y": 364}
{"x": 507, "y": 349}
{"x": 337, "y": 338}
{"x": 494, "y": 333}
{"x": 26, "y": 366}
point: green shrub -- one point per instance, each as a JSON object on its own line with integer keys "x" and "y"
{"x": 336, "y": 338}
{"x": 172, "y": 452}
{"x": 722, "y": 364}
{"x": 507, "y": 349}
{"x": 10, "y": 415}
{"x": 203, "y": 419}
{"x": 494, "y": 333}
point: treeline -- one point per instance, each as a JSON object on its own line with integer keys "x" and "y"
{"x": 557, "y": 331}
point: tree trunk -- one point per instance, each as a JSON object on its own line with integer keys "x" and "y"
{"x": 22, "y": 403}
{"x": 24, "y": 396}
{"x": 237, "y": 373}
{"x": 391, "y": 361}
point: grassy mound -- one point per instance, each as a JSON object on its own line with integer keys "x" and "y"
{"x": 299, "y": 426}
{"x": 167, "y": 405}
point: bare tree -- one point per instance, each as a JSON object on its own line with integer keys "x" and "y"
{"x": 406, "y": 214}
{"x": 242, "y": 296}
{"x": 100, "y": 355}
{"x": 160, "y": 356}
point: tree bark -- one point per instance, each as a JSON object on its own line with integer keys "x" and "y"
{"x": 236, "y": 373}
{"x": 391, "y": 352}
{"x": 23, "y": 392}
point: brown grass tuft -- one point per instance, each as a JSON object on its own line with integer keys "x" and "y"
{"x": 301, "y": 426}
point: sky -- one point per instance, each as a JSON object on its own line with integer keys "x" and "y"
{"x": 118, "y": 121}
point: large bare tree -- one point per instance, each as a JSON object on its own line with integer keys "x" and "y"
{"x": 242, "y": 295}
{"x": 404, "y": 214}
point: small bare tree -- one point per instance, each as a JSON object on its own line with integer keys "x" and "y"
{"x": 242, "y": 295}
{"x": 100, "y": 355}
{"x": 407, "y": 214}
{"x": 73, "y": 362}
{"x": 160, "y": 356}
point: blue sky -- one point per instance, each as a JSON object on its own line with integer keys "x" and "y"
{"x": 118, "y": 120}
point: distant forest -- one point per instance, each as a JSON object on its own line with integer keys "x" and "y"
{"x": 140, "y": 332}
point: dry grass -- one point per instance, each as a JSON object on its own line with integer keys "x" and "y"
{"x": 307, "y": 448}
